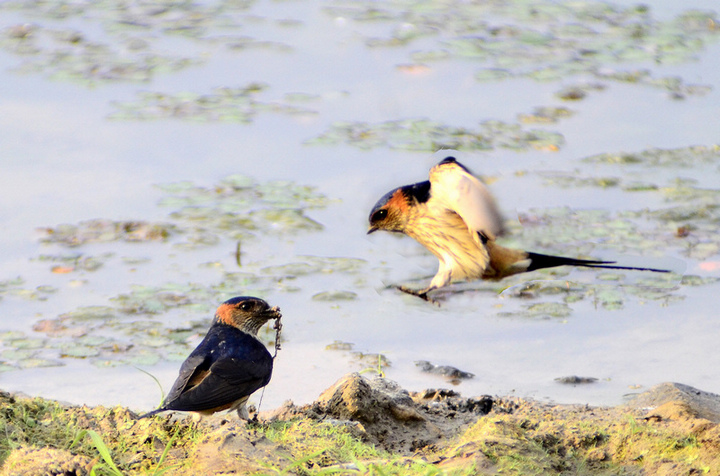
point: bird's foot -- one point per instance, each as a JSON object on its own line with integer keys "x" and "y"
{"x": 253, "y": 422}
{"x": 422, "y": 294}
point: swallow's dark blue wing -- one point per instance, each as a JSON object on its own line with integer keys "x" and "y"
{"x": 226, "y": 366}
{"x": 192, "y": 372}
{"x": 223, "y": 386}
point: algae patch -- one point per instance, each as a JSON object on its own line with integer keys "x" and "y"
{"x": 71, "y": 55}
{"x": 539, "y": 40}
{"x": 99, "y": 231}
{"x": 226, "y": 104}
{"x": 236, "y": 208}
{"x": 681, "y": 157}
{"x": 15, "y": 287}
{"x": 123, "y": 42}
{"x": 428, "y": 136}
{"x": 150, "y": 323}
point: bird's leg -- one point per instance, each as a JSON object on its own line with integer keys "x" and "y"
{"x": 243, "y": 413}
{"x": 421, "y": 293}
{"x": 195, "y": 420}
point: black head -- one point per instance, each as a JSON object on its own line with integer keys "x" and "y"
{"x": 246, "y": 313}
{"x": 452, "y": 160}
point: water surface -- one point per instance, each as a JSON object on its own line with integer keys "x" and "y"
{"x": 79, "y": 146}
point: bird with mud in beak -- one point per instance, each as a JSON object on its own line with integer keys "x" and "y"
{"x": 228, "y": 365}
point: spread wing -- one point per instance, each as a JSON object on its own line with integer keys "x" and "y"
{"x": 456, "y": 189}
{"x": 207, "y": 382}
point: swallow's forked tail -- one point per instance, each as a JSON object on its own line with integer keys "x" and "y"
{"x": 154, "y": 412}
{"x": 540, "y": 261}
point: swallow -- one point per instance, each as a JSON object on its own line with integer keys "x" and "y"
{"x": 455, "y": 217}
{"x": 228, "y": 365}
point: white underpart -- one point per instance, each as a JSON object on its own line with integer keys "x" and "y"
{"x": 462, "y": 255}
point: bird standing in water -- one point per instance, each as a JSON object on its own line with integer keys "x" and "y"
{"x": 228, "y": 365}
{"x": 455, "y": 217}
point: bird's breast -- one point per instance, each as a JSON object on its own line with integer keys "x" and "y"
{"x": 446, "y": 236}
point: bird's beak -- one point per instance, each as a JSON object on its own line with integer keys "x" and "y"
{"x": 372, "y": 229}
{"x": 274, "y": 313}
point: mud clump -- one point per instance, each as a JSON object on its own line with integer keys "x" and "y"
{"x": 50, "y": 461}
{"x": 363, "y": 426}
{"x": 390, "y": 417}
{"x": 453, "y": 375}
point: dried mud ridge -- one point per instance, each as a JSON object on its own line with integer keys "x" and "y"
{"x": 671, "y": 429}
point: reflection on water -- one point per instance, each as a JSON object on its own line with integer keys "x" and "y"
{"x": 223, "y": 151}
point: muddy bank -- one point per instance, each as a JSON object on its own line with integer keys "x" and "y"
{"x": 372, "y": 426}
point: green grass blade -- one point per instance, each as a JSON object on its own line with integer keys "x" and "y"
{"x": 104, "y": 452}
{"x": 162, "y": 392}
{"x": 158, "y": 471}
{"x": 78, "y": 438}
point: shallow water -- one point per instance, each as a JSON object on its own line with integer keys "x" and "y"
{"x": 66, "y": 160}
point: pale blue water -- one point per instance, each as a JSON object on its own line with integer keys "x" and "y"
{"x": 63, "y": 161}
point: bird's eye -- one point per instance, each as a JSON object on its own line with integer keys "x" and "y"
{"x": 246, "y": 306}
{"x": 379, "y": 215}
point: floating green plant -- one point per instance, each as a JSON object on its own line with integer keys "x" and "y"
{"x": 65, "y": 263}
{"x": 563, "y": 180}
{"x": 340, "y": 345}
{"x": 546, "y": 41}
{"x": 123, "y": 42}
{"x": 545, "y": 115}
{"x": 99, "y": 231}
{"x": 316, "y": 264}
{"x": 428, "y": 136}
{"x": 71, "y": 55}
{"x": 236, "y": 208}
{"x": 334, "y": 296}
{"x": 239, "y": 207}
{"x": 221, "y": 105}
{"x": 675, "y": 85}
{"x": 680, "y": 157}
{"x": 133, "y": 328}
